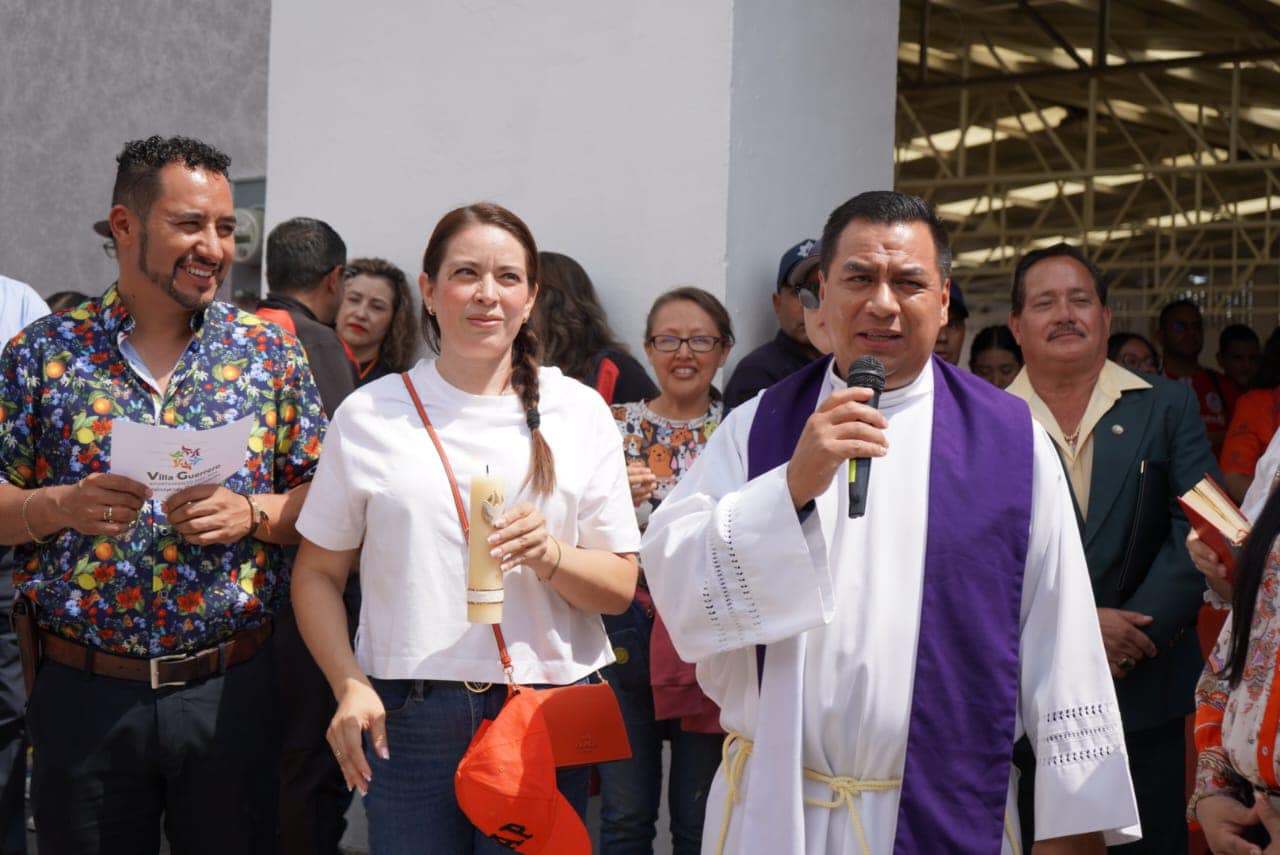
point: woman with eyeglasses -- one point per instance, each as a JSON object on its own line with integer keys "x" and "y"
{"x": 688, "y": 335}
{"x": 1134, "y": 352}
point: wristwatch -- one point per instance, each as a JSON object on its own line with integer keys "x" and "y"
{"x": 257, "y": 516}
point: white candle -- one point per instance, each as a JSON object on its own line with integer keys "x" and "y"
{"x": 484, "y": 575}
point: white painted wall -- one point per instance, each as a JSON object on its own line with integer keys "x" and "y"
{"x": 658, "y": 143}
{"x": 812, "y": 125}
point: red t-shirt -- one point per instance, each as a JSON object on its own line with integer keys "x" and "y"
{"x": 1217, "y": 395}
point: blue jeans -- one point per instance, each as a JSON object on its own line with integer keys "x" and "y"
{"x": 411, "y": 804}
{"x": 631, "y": 789}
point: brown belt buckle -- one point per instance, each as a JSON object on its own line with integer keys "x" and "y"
{"x": 155, "y": 670}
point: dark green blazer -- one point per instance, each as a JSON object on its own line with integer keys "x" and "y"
{"x": 1161, "y": 424}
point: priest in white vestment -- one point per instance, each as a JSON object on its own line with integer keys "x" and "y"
{"x": 811, "y": 629}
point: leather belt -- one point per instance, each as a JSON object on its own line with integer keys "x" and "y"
{"x": 174, "y": 670}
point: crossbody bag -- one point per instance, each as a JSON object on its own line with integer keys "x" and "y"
{"x": 584, "y": 720}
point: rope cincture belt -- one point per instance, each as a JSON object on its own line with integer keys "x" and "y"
{"x": 843, "y": 789}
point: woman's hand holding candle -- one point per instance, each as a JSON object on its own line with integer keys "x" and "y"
{"x": 484, "y": 576}
{"x": 520, "y": 537}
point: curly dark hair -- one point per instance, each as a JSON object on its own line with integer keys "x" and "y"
{"x": 139, "y": 164}
{"x": 525, "y": 348}
{"x": 401, "y": 342}
{"x": 570, "y": 321}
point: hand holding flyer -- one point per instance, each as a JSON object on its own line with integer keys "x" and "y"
{"x": 169, "y": 460}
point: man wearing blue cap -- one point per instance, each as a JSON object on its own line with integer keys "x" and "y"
{"x": 790, "y": 350}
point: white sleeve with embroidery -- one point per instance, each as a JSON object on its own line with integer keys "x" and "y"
{"x": 1067, "y": 700}
{"x": 728, "y": 561}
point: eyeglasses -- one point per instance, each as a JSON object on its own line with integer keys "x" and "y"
{"x": 697, "y": 343}
{"x": 1134, "y": 362}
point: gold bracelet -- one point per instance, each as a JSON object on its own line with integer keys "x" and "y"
{"x": 27, "y": 523}
{"x": 256, "y": 516}
{"x": 559, "y": 555}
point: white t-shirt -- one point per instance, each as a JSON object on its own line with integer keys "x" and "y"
{"x": 380, "y": 482}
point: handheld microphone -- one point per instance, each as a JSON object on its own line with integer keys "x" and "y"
{"x": 867, "y": 372}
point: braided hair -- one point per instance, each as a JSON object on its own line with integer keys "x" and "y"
{"x": 524, "y": 349}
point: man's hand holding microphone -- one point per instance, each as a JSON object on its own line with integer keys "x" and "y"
{"x": 845, "y": 428}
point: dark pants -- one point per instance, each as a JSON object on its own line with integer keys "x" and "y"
{"x": 1157, "y": 758}
{"x": 13, "y": 699}
{"x": 117, "y": 758}
{"x": 1157, "y": 761}
{"x": 313, "y": 795}
{"x": 631, "y": 790}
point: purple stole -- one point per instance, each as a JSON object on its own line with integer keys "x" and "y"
{"x": 960, "y": 737}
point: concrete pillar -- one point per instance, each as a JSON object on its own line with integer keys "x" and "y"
{"x": 659, "y": 143}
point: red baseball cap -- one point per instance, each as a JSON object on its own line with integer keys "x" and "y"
{"x": 506, "y": 784}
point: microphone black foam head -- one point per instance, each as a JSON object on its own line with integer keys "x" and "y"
{"x": 867, "y": 372}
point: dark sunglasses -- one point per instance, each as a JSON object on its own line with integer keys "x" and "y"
{"x": 807, "y": 294}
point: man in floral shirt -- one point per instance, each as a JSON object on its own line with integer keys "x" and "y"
{"x": 155, "y": 695}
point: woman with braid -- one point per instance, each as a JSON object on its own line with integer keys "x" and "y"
{"x": 421, "y": 678}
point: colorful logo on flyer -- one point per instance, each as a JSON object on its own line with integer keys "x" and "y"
{"x": 185, "y": 458}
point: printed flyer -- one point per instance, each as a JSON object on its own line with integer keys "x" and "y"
{"x": 169, "y": 460}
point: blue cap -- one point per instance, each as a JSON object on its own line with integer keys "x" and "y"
{"x": 801, "y": 268}
{"x": 791, "y": 258}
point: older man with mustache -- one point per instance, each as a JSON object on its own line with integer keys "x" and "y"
{"x": 1129, "y": 444}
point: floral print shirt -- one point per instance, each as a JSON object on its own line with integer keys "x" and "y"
{"x": 666, "y": 446}
{"x": 63, "y": 380}
{"x": 1236, "y": 728}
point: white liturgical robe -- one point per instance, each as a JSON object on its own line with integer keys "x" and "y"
{"x": 732, "y": 565}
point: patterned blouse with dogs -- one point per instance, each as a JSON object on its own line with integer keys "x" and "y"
{"x": 668, "y": 448}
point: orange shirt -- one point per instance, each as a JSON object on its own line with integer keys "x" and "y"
{"x": 1253, "y": 423}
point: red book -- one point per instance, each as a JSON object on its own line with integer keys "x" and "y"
{"x": 1217, "y": 520}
